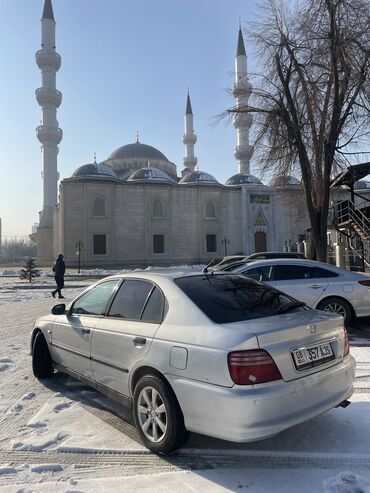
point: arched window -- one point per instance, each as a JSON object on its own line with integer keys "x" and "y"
{"x": 99, "y": 207}
{"x": 158, "y": 208}
{"x": 210, "y": 210}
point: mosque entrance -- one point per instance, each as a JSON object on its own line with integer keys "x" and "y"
{"x": 260, "y": 242}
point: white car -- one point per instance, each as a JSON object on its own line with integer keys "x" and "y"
{"x": 321, "y": 286}
{"x": 217, "y": 354}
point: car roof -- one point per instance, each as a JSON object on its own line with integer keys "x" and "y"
{"x": 156, "y": 274}
{"x": 277, "y": 254}
{"x": 234, "y": 256}
{"x": 291, "y": 261}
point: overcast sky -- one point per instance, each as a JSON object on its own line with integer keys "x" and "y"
{"x": 126, "y": 66}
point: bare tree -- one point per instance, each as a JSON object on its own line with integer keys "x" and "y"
{"x": 311, "y": 104}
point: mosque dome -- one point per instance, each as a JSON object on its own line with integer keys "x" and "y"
{"x": 134, "y": 157}
{"x": 198, "y": 178}
{"x": 137, "y": 150}
{"x": 284, "y": 181}
{"x": 243, "y": 179}
{"x": 150, "y": 174}
{"x": 94, "y": 170}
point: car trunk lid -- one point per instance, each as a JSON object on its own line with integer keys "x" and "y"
{"x": 318, "y": 335}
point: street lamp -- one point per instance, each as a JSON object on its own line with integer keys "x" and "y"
{"x": 79, "y": 246}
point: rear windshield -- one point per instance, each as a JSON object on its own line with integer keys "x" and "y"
{"x": 227, "y": 298}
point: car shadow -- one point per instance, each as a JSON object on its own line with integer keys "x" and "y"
{"x": 338, "y": 431}
{"x": 359, "y": 332}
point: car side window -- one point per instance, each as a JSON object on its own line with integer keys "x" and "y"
{"x": 261, "y": 274}
{"x": 325, "y": 273}
{"x": 130, "y": 299}
{"x": 153, "y": 311}
{"x": 95, "y": 300}
{"x": 289, "y": 272}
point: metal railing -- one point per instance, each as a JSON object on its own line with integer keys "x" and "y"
{"x": 348, "y": 213}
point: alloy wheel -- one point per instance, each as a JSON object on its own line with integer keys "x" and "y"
{"x": 336, "y": 308}
{"x": 152, "y": 414}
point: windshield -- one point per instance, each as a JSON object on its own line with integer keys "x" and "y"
{"x": 227, "y": 298}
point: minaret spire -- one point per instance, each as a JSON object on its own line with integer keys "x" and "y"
{"x": 49, "y": 98}
{"x": 188, "y": 110}
{"x": 242, "y": 89}
{"x": 241, "y": 48}
{"x": 189, "y": 139}
{"x": 48, "y": 13}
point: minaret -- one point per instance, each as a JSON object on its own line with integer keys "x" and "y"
{"x": 189, "y": 139}
{"x": 49, "y": 98}
{"x": 242, "y": 89}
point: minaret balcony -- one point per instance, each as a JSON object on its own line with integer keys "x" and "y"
{"x": 242, "y": 88}
{"x": 242, "y": 119}
{"x": 49, "y": 135}
{"x": 189, "y": 139}
{"x": 243, "y": 152}
{"x": 48, "y": 97}
{"x": 48, "y": 59}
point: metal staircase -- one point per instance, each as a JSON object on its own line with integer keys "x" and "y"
{"x": 354, "y": 221}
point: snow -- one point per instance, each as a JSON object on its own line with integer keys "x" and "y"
{"x": 98, "y": 272}
{"x": 61, "y": 436}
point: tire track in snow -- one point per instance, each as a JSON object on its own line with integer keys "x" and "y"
{"x": 187, "y": 460}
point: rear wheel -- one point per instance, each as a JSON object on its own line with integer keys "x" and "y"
{"x": 337, "y": 305}
{"x": 158, "y": 417}
{"x": 41, "y": 359}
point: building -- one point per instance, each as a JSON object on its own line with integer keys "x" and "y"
{"x": 134, "y": 208}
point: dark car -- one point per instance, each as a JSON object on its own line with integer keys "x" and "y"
{"x": 239, "y": 262}
{"x": 268, "y": 255}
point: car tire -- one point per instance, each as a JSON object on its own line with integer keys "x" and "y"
{"x": 158, "y": 417}
{"x": 337, "y": 305}
{"x": 41, "y": 360}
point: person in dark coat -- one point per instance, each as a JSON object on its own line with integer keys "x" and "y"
{"x": 59, "y": 269}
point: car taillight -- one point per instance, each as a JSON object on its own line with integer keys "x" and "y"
{"x": 365, "y": 283}
{"x": 346, "y": 343}
{"x": 252, "y": 366}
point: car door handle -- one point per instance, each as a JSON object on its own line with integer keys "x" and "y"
{"x": 85, "y": 330}
{"x": 316, "y": 286}
{"x": 139, "y": 341}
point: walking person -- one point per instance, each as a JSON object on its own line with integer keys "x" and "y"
{"x": 59, "y": 269}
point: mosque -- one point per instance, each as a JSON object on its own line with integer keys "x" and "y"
{"x": 135, "y": 208}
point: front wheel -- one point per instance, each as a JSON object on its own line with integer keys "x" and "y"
{"x": 41, "y": 359}
{"x": 158, "y": 417}
{"x": 338, "y": 306}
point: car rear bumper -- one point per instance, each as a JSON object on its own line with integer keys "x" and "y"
{"x": 242, "y": 414}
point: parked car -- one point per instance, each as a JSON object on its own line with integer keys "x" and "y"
{"x": 267, "y": 255}
{"x": 319, "y": 285}
{"x": 219, "y": 262}
{"x": 233, "y": 261}
{"x": 217, "y": 354}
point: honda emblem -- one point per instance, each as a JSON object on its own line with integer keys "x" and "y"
{"x": 312, "y": 329}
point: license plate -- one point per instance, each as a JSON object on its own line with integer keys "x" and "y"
{"x": 312, "y": 356}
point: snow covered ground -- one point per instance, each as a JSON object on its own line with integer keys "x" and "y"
{"x": 62, "y": 436}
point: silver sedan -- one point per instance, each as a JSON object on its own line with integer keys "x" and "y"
{"x": 321, "y": 286}
{"x": 217, "y": 354}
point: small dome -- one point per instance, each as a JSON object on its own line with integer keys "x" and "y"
{"x": 243, "y": 179}
{"x": 199, "y": 178}
{"x": 137, "y": 150}
{"x": 284, "y": 181}
{"x": 150, "y": 174}
{"x": 94, "y": 169}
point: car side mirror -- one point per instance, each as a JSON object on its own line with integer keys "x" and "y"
{"x": 58, "y": 309}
